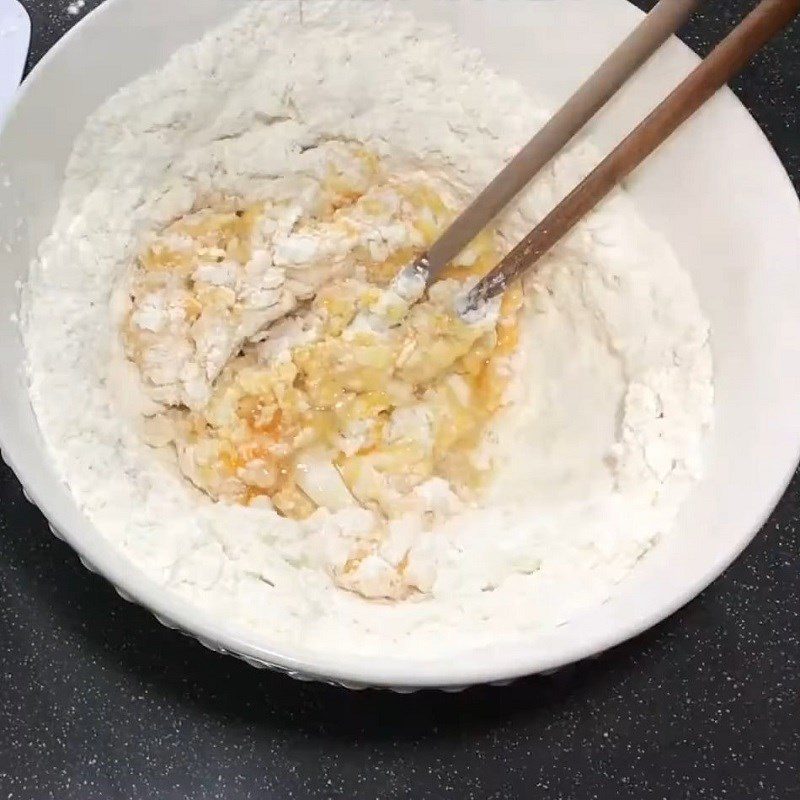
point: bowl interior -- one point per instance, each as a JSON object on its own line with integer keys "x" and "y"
{"x": 716, "y": 190}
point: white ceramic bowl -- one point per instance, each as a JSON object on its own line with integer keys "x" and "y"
{"x": 716, "y": 190}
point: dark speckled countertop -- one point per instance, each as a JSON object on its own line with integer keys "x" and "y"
{"x": 97, "y": 700}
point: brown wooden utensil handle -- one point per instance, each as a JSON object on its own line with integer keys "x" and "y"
{"x": 728, "y": 58}
{"x": 665, "y": 18}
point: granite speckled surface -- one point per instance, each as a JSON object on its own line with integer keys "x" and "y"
{"x": 97, "y": 700}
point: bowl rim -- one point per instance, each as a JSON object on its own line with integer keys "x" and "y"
{"x": 399, "y": 673}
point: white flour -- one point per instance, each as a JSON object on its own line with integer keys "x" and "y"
{"x": 613, "y": 397}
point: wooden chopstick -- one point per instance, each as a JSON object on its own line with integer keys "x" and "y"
{"x": 727, "y": 59}
{"x": 665, "y": 18}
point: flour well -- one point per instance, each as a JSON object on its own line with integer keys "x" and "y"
{"x": 610, "y": 393}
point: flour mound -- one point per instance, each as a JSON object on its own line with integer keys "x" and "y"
{"x": 610, "y": 395}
